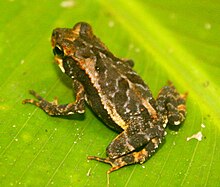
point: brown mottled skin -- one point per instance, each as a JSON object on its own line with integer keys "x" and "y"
{"x": 115, "y": 93}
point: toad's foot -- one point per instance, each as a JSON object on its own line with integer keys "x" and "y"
{"x": 131, "y": 158}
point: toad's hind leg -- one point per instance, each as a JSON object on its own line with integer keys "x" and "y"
{"x": 172, "y": 104}
{"x": 131, "y": 158}
{"x": 133, "y": 138}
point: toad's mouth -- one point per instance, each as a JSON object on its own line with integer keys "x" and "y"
{"x": 59, "y": 61}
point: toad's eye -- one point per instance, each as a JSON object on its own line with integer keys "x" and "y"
{"x": 58, "y": 51}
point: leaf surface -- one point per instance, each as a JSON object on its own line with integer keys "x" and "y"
{"x": 168, "y": 40}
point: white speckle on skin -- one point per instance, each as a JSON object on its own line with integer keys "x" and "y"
{"x": 102, "y": 55}
{"x": 208, "y": 26}
{"x": 176, "y": 122}
{"x": 147, "y": 137}
{"x": 197, "y": 136}
{"x": 67, "y": 3}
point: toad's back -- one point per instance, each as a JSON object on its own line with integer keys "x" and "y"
{"x": 122, "y": 93}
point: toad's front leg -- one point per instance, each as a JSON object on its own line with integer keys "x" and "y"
{"x": 135, "y": 157}
{"x": 53, "y": 108}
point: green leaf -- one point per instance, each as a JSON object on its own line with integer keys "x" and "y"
{"x": 168, "y": 40}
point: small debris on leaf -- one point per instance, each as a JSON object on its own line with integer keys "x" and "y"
{"x": 197, "y": 136}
